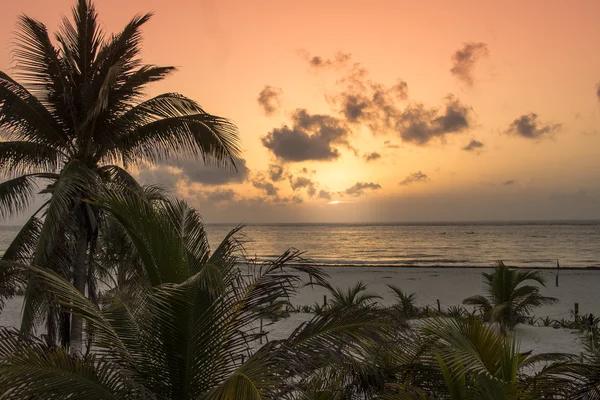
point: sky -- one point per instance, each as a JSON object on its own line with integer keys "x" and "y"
{"x": 380, "y": 111}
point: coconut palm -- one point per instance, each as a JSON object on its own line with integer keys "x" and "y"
{"x": 190, "y": 331}
{"x": 509, "y": 299}
{"x": 73, "y": 118}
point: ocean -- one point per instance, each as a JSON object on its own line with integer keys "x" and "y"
{"x": 576, "y": 244}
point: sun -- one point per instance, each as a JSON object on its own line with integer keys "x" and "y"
{"x": 334, "y": 202}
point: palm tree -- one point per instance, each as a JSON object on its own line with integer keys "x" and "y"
{"x": 354, "y": 296}
{"x": 75, "y": 120}
{"x": 405, "y": 302}
{"x": 189, "y": 331}
{"x": 509, "y": 299}
{"x": 460, "y": 359}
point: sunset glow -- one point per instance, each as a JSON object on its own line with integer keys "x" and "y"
{"x": 403, "y": 110}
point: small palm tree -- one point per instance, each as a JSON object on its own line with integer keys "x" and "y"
{"x": 405, "y": 302}
{"x": 466, "y": 359}
{"x": 355, "y": 296}
{"x": 73, "y": 119}
{"x": 509, "y": 299}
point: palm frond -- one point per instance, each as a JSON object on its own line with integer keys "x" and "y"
{"x": 17, "y": 194}
{"x": 30, "y": 369}
{"x": 43, "y": 73}
{"x": 23, "y": 157}
{"x": 24, "y": 117}
{"x": 172, "y": 125}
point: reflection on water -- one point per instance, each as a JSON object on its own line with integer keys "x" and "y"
{"x": 459, "y": 245}
{"x": 541, "y": 244}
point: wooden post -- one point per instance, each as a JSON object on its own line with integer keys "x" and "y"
{"x": 591, "y": 324}
{"x": 576, "y": 309}
{"x": 243, "y": 358}
{"x": 557, "y": 270}
{"x": 439, "y": 307}
{"x": 261, "y": 331}
{"x": 324, "y": 300}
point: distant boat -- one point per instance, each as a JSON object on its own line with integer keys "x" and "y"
{"x": 470, "y": 233}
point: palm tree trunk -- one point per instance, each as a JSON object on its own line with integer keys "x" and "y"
{"x": 79, "y": 281}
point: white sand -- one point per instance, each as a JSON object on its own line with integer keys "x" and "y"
{"x": 450, "y": 286}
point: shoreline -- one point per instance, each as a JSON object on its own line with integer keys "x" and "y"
{"x": 433, "y": 266}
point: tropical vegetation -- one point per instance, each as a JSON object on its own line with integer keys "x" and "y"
{"x": 137, "y": 305}
{"x": 73, "y": 119}
{"x": 509, "y": 298}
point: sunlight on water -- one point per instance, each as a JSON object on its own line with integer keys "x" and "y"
{"x": 450, "y": 245}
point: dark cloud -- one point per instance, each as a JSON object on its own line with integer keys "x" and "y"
{"x": 219, "y": 195}
{"x": 193, "y": 171}
{"x": 598, "y": 90}
{"x": 161, "y": 175}
{"x": 304, "y": 182}
{"x": 318, "y": 62}
{"x": 210, "y": 175}
{"x": 464, "y": 59}
{"x": 268, "y": 187}
{"x": 363, "y": 101}
{"x": 389, "y": 145}
{"x": 415, "y": 177}
{"x": 297, "y": 199}
{"x": 473, "y": 145}
{"x": 269, "y": 100}
{"x": 528, "y": 126}
{"x": 276, "y": 172}
{"x": 509, "y": 182}
{"x": 420, "y": 125}
{"x": 311, "y": 137}
{"x": 323, "y": 194}
{"x": 358, "y": 189}
{"x": 372, "y": 156}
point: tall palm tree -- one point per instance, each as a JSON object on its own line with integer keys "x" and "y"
{"x": 190, "y": 331}
{"x": 509, "y": 298}
{"x": 74, "y": 118}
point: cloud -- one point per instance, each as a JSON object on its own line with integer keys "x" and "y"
{"x": 363, "y": 101}
{"x": 191, "y": 171}
{"x": 598, "y": 90}
{"x": 210, "y": 175}
{"x": 358, "y": 189}
{"x": 509, "y": 182}
{"x": 464, "y": 59}
{"x": 372, "y": 156}
{"x": 340, "y": 59}
{"x": 389, "y": 145}
{"x": 219, "y": 195}
{"x": 304, "y": 182}
{"x": 297, "y": 199}
{"x": 528, "y": 126}
{"x": 268, "y": 187}
{"x": 420, "y": 125}
{"x": 269, "y": 100}
{"x": 311, "y": 137}
{"x": 276, "y": 172}
{"x": 473, "y": 145}
{"x": 323, "y": 194}
{"x": 415, "y": 177}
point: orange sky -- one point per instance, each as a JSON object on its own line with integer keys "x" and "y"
{"x": 527, "y": 57}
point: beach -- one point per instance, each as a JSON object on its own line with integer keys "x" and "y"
{"x": 450, "y": 286}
